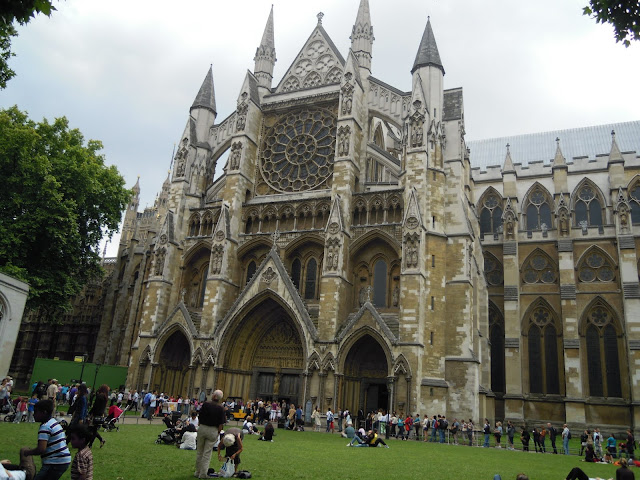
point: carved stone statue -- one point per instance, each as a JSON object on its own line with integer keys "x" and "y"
{"x": 365, "y": 294}
{"x": 564, "y": 224}
{"x": 396, "y": 296}
{"x": 159, "y": 267}
{"x": 236, "y": 155}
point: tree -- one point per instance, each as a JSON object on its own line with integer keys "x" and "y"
{"x": 624, "y": 15}
{"x": 57, "y": 201}
{"x": 21, "y": 11}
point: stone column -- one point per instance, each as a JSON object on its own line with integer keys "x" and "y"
{"x": 390, "y": 386}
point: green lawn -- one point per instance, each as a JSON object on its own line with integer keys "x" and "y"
{"x": 132, "y": 454}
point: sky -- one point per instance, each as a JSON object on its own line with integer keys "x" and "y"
{"x": 126, "y": 72}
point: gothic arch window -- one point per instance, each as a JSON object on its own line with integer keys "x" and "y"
{"x": 493, "y": 271}
{"x": 311, "y": 279}
{"x": 378, "y": 137}
{"x": 251, "y": 271}
{"x": 248, "y": 226}
{"x": 634, "y": 201}
{"x": 537, "y": 208}
{"x": 588, "y": 206}
{"x": 603, "y": 347}
{"x": 380, "y": 283}
{"x": 539, "y": 268}
{"x": 296, "y": 270}
{"x": 543, "y": 338}
{"x": 595, "y": 266}
{"x": 496, "y": 336}
{"x": 491, "y": 213}
{"x": 207, "y": 224}
{"x": 194, "y": 225}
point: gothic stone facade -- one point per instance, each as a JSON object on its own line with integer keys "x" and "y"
{"x": 340, "y": 258}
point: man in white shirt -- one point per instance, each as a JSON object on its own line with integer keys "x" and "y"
{"x": 565, "y": 439}
{"x": 152, "y": 405}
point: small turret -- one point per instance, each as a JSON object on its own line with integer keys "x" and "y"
{"x": 362, "y": 36}
{"x": 265, "y": 56}
{"x": 203, "y": 108}
{"x": 428, "y": 67}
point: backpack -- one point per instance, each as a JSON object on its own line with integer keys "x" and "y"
{"x": 569, "y": 435}
{"x": 440, "y": 424}
{"x": 243, "y": 474}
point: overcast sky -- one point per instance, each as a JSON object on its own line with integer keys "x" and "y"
{"x": 126, "y": 72}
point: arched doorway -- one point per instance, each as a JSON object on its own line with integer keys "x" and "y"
{"x": 365, "y": 376}
{"x": 171, "y": 376}
{"x": 263, "y": 356}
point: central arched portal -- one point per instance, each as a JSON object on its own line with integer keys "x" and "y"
{"x": 264, "y": 356}
{"x": 172, "y": 375}
{"x": 365, "y": 376}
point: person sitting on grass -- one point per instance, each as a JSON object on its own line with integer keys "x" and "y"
{"x": 52, "y": 444}
{"x": 189, "y": 437}
{"x": 25, "y": 471}
{"x": 520, "y": 476}
{"x": 578, "y": 474}
{"x": 267, "y": 435}
{"x": 370, "y": 440}
{"x": 232, "y": 444}
{"x": 349, "y": 432}
{"x": 79, "y": 437}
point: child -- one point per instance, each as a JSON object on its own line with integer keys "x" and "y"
{"x": 52, "y": 444}
{"x": 32, "y": 402}
{"x": 21, "y": 409}
{"x": 82, "y": 467}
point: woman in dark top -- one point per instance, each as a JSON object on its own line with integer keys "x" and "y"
{"x": 233, "y": 447}
{"x": 80, "y": 411}
{"x": 97, "y": 413}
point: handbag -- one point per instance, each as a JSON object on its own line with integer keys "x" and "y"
{"x": 228, "y": 468}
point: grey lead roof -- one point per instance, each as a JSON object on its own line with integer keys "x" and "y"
{"x": 427, "y": 51}
{"x": 574, "y": 142}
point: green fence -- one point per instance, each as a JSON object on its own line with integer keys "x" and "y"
{"x": 72, "y": 372}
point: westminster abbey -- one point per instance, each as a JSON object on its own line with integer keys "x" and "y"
{"x": 357, "y": 252}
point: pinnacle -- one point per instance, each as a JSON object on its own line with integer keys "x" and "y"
{"x": 268, "y": 35}
{"x": 428, "y": 51}
{"x": 206, "y": 97}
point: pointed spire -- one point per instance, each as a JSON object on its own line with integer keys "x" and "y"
{"x": 614, "y": 155}
{"x": 558, "y": 160}
{"x": 508, "y": 163}
{"x": 265, "y": 57}
{"x": 136, "y": 187}
{"x": 428, "y": 51}
{"x": 362, "y": 36}
{"x": 206, "y": 97}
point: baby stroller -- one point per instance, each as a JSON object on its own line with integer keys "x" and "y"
{"x": 9, "y": 409}
{"x": 114, "y": 415}
{"x": 170, "y": 435}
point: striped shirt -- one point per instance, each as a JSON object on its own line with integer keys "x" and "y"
{"x": 83, "y": 464}
{"x": 57, "y": 452}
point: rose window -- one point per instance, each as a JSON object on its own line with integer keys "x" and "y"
{"x": 538, "y": 269}
{"x": 298, "y": 151}
{"x": 596, "y": 268}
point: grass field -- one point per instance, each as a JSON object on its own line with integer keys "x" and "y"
{"x": 131, "y": 454}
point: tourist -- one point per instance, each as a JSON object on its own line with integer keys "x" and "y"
{"x": 52, "y": 393}
{"x": 79, "y": 437}
{"x": 52, "y": 444}
{"x": 536, "y": 439}
{"x": 497, "y": 433}
{"x": 417, "y": 424}
{"x": 454, "y": 429}
{"x": 566, "y": 436}
{"x": 486, "y": 429}
{"x": 21, "y": 409}
{"x": 153, "y": 404}
{"x": 30, "y": 406}
{"x": 26, "y": 470}
{"x": 315, "y": 416}
{"x": 394, "y": 425}
{"x": 349, "y": 432}
{"x": 80, "y": 406}
{"x": 590, "y": 454}
{"x": 267, "y": 434}
{"x": 5, "y": 392}
{"x": 543, "y": 436}
{"x": 232, "y": 444}
{"x": 525, "y": 437}
{"x": 597, "y": 442}
{"x": 189, "y": 438}
{"x": 97, "y": 414}
{"x": 623, "y": 473}
{"x": 193, "y": 420}
{"x": 442, "y": 427}
{"x": 553, "y": 433}
{"x": 611, "y": 446}
{"x": 408, "y": 424}
{"x": 425, "y": 427}
{"x": 583, "y": 441}
{"x": 470, "y": 428}
{"x": 339, "y": 418}
{"x": 400, "y": 425}
{"x": 146, "y": 404}
{"x": 330, "y": 421}
{"x": 211, "y": 422}
{"x": 511, "y": 432}
{"x": 630, "y": 444}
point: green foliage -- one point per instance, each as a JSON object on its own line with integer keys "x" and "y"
{"x": 58, "y": 200}
{"x": 624, "y": 15}
{"x": 21, "y": 11}
{"x": 131, "y": 454}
